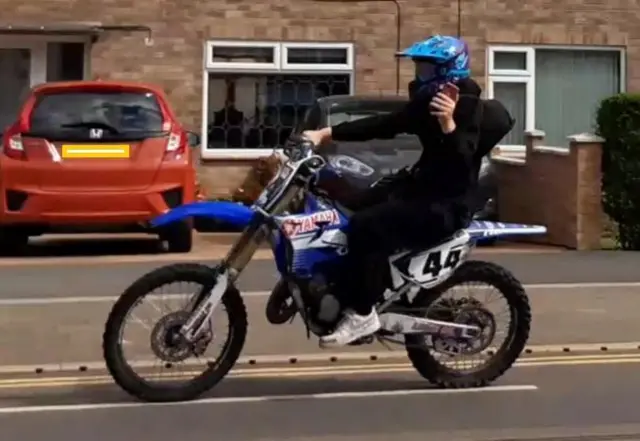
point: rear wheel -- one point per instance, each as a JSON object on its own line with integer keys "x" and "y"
{"x": 179, "y": 236}
{"x": 424, "y": 354}
{"x": 13, "y": 241}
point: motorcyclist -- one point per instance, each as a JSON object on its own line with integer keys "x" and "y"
{"x": 444, "y": 111}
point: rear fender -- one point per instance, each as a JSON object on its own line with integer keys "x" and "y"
{"x": 232, "y": 213}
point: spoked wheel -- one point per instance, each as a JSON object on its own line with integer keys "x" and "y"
{"x": 478, "y": 294}
{"x": 151, "y": 360}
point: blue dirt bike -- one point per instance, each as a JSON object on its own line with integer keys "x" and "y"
{"x": 308, "y": 248}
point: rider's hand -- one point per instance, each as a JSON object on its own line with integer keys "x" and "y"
{"x": 318, "y": 137}
{"x": 442, "y": 107}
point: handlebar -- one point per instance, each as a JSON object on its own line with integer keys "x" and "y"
{"x": 298, "y": 147}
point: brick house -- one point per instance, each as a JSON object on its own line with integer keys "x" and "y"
{"x": 550, "y": 62}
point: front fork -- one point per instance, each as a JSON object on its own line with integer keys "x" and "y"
{"x": 240, "y": 254}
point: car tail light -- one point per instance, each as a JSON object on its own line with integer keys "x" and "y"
{"x": 12, "y": 146}
{"x": 176, "y": 145}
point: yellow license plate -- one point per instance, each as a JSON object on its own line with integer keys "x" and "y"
{"x": 107, "y": 151}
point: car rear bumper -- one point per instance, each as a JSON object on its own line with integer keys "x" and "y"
{"x": 34, "y": 206}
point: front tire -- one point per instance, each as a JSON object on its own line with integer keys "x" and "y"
{"x": 122, "y": 372}
{"x": 511, "y": 289}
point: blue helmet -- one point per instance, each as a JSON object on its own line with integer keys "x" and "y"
{"x": 447, "y": 57}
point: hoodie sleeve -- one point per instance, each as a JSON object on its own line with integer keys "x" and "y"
{"x": 374, "y": 127}
{"x": 463, "y": 141}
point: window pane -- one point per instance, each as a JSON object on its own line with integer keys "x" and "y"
{"x": 514, "y": 97}
{"x": 126, "y": 112}
{"x": 235, "y": 54}
{"x": 317, "y": 56}
{"x": 15, "y": 66}
{"x": 65, "y": 61}
{"x": 260, "y": 111}
{"x": 569, "y": 87}
{"x": 510, "y": 60}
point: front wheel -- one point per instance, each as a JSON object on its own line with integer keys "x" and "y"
{"x": 470, "y": 310}
{"x": 169, "y": 352}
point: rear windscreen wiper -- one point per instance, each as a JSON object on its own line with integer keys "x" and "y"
{"x": 93, "y": 125}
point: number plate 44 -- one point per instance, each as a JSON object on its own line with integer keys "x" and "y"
{"x": 430, "y": 267}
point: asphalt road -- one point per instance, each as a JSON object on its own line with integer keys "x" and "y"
{"x": 51, "y": 314}
{"x": 72, "y": 332}
{"x": 109, "y": 279}
{"x": 556, "y": 402}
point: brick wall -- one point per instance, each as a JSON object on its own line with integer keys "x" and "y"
{"x": 555, "y": 187}
{"x": 180, "y": 28}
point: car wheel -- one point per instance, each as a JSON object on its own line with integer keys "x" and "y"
{"x": 12, "y": 241}
{"x": 179, "y": 237}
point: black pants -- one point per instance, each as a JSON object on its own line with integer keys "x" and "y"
{"x": 384, "y": 227}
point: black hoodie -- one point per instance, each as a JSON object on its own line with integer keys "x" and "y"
{"x": 448, "y": 168}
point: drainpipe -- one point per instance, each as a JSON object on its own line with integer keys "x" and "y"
{"x": 459, "y": 18}
{"x": 398, "y": 30}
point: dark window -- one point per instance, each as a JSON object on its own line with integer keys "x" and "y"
{"x": 73, "y": 112}
{"x": 65, "y": 61}
{"x": 312, "y": 119}
{"x": 261, "y": 111}
{"x": 317, "y": 56}
{"x": 242, "y": 54}
{"x": 15, "y": 66}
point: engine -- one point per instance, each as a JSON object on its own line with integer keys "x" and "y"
{"x": 323, "y": 305}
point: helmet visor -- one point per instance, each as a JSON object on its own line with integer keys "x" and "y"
{"x": 425, "y": 70}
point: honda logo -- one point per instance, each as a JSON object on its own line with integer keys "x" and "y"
{"x": 95, "y": 133}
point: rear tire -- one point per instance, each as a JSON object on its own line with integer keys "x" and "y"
{"x": 122, "y": 372}
{"x": 13, "y": 241}
{"x": 511, "y": 289}
{"x": 179, "y": 237}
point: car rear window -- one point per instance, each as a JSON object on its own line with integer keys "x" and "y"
{"x": 116, "y": 113}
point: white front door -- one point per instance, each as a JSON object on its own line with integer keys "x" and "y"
{"x": 22, "y": 65}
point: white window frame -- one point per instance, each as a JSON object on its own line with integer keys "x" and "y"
{"x": 528, "y": 77}
{"x": 37, "y": 46}
{"x": 280, "y": 66}
{"x": 239, "y": 65}
{"x": 347, "y": 47}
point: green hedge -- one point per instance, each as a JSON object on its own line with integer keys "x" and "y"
{"x": 618, "y": 122}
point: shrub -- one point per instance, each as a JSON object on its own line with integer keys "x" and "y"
{"x": 618, "y": 122}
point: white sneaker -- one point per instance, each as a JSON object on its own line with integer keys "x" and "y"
{"x": 351, "y": 328}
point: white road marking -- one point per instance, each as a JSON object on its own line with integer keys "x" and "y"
{"x": 27, "y": 301}
{"x": 266, "y": 398}
{"x": 36, "y": 301}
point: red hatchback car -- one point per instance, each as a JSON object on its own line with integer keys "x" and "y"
{"x": 95, "y": 156}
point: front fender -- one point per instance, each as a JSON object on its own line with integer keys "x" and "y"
{"x": 232, "y": 213}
